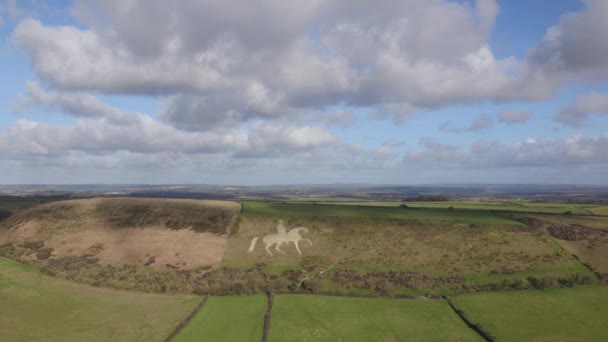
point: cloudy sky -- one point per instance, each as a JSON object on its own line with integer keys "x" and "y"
{"x": 317, "y": 91}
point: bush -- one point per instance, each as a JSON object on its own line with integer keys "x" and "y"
{"x": 44, "y": 253}
{"x": 33, "y": 245}
{"x": 314, "y": 285}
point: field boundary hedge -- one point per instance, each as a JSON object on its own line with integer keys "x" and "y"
{"x": 187, "y": 320}
{"x": 602, "y": 277}
{"x": 267, "y": 317}
{"x": 476, "y": 327}
{"x": 357, "y": 295}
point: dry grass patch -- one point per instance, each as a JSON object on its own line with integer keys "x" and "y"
{"x": 160, "y": 233}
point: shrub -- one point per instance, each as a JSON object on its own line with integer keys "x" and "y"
{"x": 44, "y": 253}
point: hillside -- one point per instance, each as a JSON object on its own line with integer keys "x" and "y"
{"x": 159, "y": 233}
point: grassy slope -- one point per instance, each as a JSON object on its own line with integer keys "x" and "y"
{"x": 233, "y": 318}
{"x": 439, "y": 215}
{"x": 576, "y": 314}
{"x": 37, "y": 307}
{"x": 319, "y": 318}
{"x": 73, "y": 215}
{"x": 380, "y": 245}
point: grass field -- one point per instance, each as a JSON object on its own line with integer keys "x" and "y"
{"x": 577, "y": 314}
{"x": 431, "y": 215}
{"x": 13, "y": 203}
{"x": 232, "y": 318}
{"x": 39, "y": 308}
{"x": 320, "y": 318}
{"x": 600, "y": 210}
{"x": 518, "y": 206}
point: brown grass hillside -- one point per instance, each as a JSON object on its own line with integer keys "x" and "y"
{"x": 160, "y": 233}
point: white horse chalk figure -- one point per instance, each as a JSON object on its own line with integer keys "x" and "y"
{"x": 282, "y": 236}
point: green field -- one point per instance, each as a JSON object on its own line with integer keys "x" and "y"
{"x": 518, "y": 206}
{"x": 13, "y": 202}
{"x": 40, "y": 308}
{"x": 600, "y": 210}
{"x": 231, "y": 318}
{"x": 321, "y": 318}
{"x": 427, "y": 215}
{"x": 577, "y": 314}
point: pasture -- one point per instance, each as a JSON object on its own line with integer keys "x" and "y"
{"x": 507, "y": 206}
{"x": 322, "y": 318}
{"x": 36, "y": 307}
{"x": 577, "y": 314}
{"x": 420, "y": 215}
{"x": 12, "y": 203}
{"x": 230, "y": 318}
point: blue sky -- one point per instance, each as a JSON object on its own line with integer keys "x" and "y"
{"x": 385, "y": 92}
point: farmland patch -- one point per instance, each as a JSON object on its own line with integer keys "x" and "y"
{"x": 321, "y": 318}
{"x": 36, "y": 307}
{"x": 576, "y": 314}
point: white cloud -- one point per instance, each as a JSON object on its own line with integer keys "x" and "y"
{"x": 576, "y": 47}
{"x": 259, "y": 91}
{"x": 330, "y": 52}
{"x": 576, "y": 151}
{"x": 480, "y": 123}
{"x": 577, "y": 113}
{"x": 514, "y": 116}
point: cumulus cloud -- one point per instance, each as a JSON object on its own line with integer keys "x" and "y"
{"x": 514, "y": 116}
{"x": 576, "y": 47}
{"x": 578, "y": 150}
{"x": 80, "y": 105}
{"x": 330, "y": 52}
{"x": 263, "y": 90}
{"x": 482, "y": 122}
{"x": 576, "y": 114}
{"x": 149, "y": 136}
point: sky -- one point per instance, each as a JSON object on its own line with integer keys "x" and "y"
{"x": 320, "y": 91}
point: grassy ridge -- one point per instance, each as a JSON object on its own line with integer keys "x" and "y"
{"x": 576, "y": 314}
{"x": 231, "y": 318}
{"x": 428, "y": 215}
{"x": 320, "y": 318}
{"x": 40, "y": 308}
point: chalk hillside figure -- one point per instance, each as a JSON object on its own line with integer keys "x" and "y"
{"x": 281, "y": 237}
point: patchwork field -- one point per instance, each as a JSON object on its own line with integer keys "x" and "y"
{"x": 230, "y": 318}
{"x": 576, "y": 314}
{"x": 433, "y": 215}
{"x": 304, "y": 249}
{"x": 36, "y": 307}
{"x": 321, "y": 318}
{"x": 517, "y": 206}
